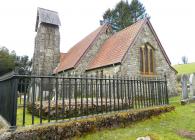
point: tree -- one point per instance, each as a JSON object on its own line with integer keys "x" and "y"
{"x": 124, "y": 14}
{"x": 119, "y": 17}
{"x": 6, "y": 61}
{"x": 137, "y": 10}
{"x": 23, "y": 64}
{"x": 184, "y": 59}
{"x": 9, "y": 61}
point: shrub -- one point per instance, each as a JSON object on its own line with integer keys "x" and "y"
{"x": 73, "y": 128}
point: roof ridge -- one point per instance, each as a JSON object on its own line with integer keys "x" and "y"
{"x": 132, "y": 24}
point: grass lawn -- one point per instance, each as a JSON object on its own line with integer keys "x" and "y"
{"x": 163, "y": 127}
{"x": 28, "y": 118}
{"x": 185, "y": 68}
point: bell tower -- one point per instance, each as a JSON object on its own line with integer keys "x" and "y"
{"x": 47, "y": 42}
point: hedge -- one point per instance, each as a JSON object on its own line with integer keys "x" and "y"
{"x": 72, "y": 128}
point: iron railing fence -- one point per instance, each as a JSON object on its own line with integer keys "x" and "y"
{"x": 48, "y": 98}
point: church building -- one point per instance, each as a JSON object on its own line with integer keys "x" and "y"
{"x": 135, "y": 51}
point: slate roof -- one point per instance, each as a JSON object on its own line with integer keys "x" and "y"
{"x": 47, "y": 16}
{"x": 77, "y": 51}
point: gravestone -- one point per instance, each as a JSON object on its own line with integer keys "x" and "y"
{"x": 192, "y": 85}
{"x": 184, "y": 81}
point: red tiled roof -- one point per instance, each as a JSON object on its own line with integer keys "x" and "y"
{"x": 62, "y": 58}
{"x": 77, "y": 51}
{"x": 114, "y": 49}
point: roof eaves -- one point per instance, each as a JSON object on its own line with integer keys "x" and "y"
{"x": 108, "y": 65}
{"x": 65, "y": 70}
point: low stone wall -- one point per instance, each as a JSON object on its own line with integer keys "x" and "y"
{"x": 69, "y": 111}
{"x": 66, "y": 130}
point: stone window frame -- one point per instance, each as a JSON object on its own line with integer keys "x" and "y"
{"x": 147, "y": 61}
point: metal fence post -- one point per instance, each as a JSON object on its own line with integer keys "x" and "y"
{"x": 166, "y": 91}
{"x": 14, "y": 85}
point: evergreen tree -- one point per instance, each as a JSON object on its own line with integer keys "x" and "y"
{"x": 6, "y": 61}
{"x": 10, "y": 61}
{"x": 124, "y": 14}
{"x": 137, "y": 10}
{"x": 23, "y": 64}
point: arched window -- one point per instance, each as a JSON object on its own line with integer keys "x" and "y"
{"x": 147, "y": 59}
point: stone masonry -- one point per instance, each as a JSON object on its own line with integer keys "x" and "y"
{"x": 47, "y": 42}
{"x": 47, "y": 49}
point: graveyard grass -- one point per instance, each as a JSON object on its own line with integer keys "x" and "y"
{"x": 28, "y": 116}
{"x": 185, "y": 68}
{"x": 163, "y": 127}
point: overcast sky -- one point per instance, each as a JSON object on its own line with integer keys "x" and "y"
{"x": 173, "y": 20}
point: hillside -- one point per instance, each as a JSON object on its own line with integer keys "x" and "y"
{"x": 185, "y": 68}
